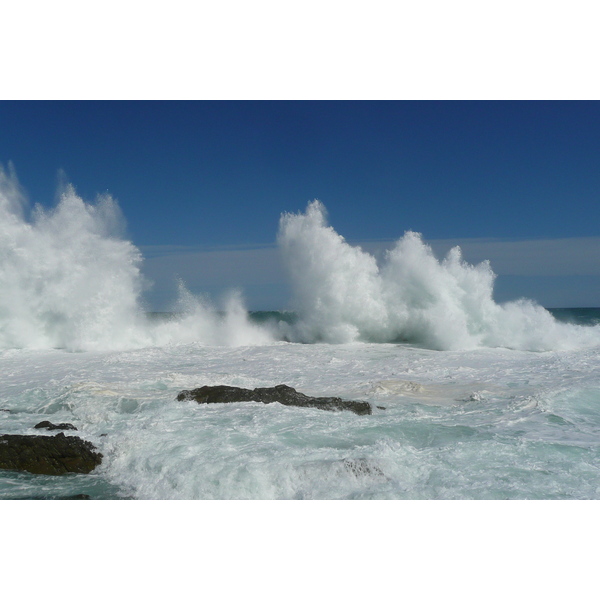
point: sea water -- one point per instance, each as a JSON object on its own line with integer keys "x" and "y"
{"x": 471, "y": 399}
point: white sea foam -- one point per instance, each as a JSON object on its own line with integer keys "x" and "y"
{"x": 342, "y": 294}
{"x": 201, "y": 321}
{"x": 492, "y": 423}
{"x": 487, "y": 424}
{"x": 68, "y": 279}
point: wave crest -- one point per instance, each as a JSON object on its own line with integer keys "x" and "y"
{"x": 342, "y": 294}
{"x": 69, "y": 280}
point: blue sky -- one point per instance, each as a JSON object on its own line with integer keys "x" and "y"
{"x": 202, "y": 183}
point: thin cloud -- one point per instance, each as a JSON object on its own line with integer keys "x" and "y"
{"x": 535, "y": 258}
{"x": 539, "y": 269}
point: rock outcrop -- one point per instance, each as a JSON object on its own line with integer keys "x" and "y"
{"x": 48, "y": 455}
{"x": 75, "y": 497}
{"x": 52, "y": 426}
{"x": 361, "y": 467}
{"x": 283, "y": 394}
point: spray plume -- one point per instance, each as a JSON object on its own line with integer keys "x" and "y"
{"x": 341, "y": 294}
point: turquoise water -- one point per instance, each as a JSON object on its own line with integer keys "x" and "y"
{"x": 471, "y": 398}
{"x": 578, "y": 316}
{"x": 489, "y": 423}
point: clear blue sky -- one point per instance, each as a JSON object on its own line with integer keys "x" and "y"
{"x": 207, "y": 174}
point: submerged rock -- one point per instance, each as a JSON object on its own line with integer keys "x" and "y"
{"x": 361, "y": 467}
{"x": 48, "y": 455}
{"x": 52, "y": 426}
{"x": 283, "y": 394}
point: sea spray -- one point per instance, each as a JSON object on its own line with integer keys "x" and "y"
{"x": 337, "y": 288}
{"x": 68, "y": 279}
{"x": 199, "y": 320}
{"x": 341, "y": 294}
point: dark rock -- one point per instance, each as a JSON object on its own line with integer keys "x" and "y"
{"x": 76, "y": 497}
{"x": 48, "y": 455}
{"x": 52, "y": 426}
{"x": 361, "y": 467}
{"x": 280, "y": 393}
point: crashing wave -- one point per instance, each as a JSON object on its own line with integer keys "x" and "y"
{"x": 342, "y": 294}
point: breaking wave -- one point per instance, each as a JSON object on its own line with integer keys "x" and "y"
{"x": 341, "y": 294}
{"x": 69, "y": 279}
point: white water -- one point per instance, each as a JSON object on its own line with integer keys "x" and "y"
{"x": 484, "y": 424}
{"x": 343, "y": 295}
{"x": 69, "y": 280}
{"x": 469, "y": 422}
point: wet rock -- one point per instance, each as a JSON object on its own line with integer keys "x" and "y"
{"x": 361, "y": 467}
{"x": 76, "y": 497}
{"x": 52, "y": 426}
{"x": 283, "y": 394}
{"x": 48, "y": 455}
{"x": 474, "y": 397}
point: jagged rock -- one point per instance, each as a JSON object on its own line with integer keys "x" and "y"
{"x": 283, "y": 394}
{"x": 362, "y": 467}
{"x": 52, "y": 426}
{"x": 75, "y": 497}
{"x": 48, "y": 455}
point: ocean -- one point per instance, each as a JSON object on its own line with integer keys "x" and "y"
{"x": 470, "y": 399}
{"x": 490, "y": 423}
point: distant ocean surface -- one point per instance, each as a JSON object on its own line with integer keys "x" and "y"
{"x": 470, "y": 399}
{"x": 577, "y": 316}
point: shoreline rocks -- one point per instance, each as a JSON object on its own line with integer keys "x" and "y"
{"x": 52, "y": 426}
{"x": 48, "y": 455}
{"x": 74, "y": 497}
{"x": 283, "y": 394}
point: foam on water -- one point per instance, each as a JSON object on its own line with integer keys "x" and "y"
{"x": 491, "y": 423}
{"x": 342, "y": 294}
{"x": 496, "y": 422}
